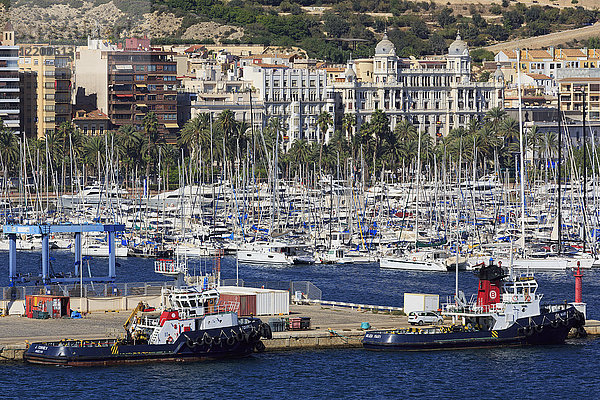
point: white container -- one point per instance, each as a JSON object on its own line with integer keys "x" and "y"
{"x": 268, "y": 301}
{"x": 421, "y": 302}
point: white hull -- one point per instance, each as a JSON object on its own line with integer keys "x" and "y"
{"x": 101, "y": 251}
{"x": 263, "y": 257}
{"x": 411, "y": 265}
{"x": 548, "y": 264}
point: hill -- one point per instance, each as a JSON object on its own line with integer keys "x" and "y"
{"x": 318, "y": 26}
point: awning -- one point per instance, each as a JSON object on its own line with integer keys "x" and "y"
{"x": 171, "y": 126}
{"x": 124, "y": 95}
{"x": 142, "y": 105}
{"x": 140, "y": 85}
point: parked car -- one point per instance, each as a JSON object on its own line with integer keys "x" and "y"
{"x": 425, "y": 317}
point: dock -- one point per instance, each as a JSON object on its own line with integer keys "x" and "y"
{"x": 331, "y": 327}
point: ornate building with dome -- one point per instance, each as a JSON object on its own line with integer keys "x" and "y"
{"x": 436, "y": 94}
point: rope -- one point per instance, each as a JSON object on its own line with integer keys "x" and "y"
{"x": 344, "y": 338}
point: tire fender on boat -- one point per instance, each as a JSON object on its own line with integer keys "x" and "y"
{"x": 217, "y": 340}
{"x": 231, "y": 341}
{"x": 208, "y": 339}
{"x": 260, "y": 346}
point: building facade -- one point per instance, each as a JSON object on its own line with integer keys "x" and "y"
{"x": 128, "y": 84}
{"x": 9, "y": 80}
{"x": 436, "y": 95}
{"x": 296, "y": 96}
{"x": 46, "y": 73}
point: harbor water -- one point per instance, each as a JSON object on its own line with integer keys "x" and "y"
{"x": 567, "y": 371}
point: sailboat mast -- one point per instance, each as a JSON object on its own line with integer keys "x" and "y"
{"x": 522, "y": 171}
{"x": 559, "y": 245}
{"x": 584, "y": 171}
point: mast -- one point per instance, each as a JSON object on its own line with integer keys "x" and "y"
{"x": 522, "y": 172}
{"x": 584, "y": 171}
{"x": 417, "y": 191}
{"x": 559, "y": 245}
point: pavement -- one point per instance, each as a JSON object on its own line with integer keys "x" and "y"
{"x": 18, "y": 330}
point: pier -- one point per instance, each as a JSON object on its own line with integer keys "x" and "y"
{"x": 331, "y": 327}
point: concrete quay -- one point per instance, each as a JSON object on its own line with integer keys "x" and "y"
{"x": 331, "y": 327}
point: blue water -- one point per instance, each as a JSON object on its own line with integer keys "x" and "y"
{"x": 556, "y": 372}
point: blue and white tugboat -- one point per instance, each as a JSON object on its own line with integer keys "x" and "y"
{"x": 191, "y": 325}
{"x": 507, "y": 312}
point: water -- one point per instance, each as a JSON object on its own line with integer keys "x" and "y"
{"x": 555, "y": 372}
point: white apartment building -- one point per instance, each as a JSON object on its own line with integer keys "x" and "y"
{"x": 434, "y": 94}
{"x": 9, "y": 80}
{"x": 295, "y": 95}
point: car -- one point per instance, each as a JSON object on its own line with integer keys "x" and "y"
{"x": 425, "y": 317}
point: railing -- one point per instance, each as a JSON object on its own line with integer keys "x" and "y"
{"x": 87, "y": 289}
{"x": 168, "y": 266}
{"x": 307, "y": 289}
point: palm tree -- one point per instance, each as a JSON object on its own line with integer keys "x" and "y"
{"x": 227, "y": 122}
{"x": 195, "y": 134}
{"x": 130, "y": 142}
{"x": 348, "y": 122}
{"x": 153, "y": 139}
{"x": 323, "y": 122}
{"x": 9, "y": 149}
{"x": 494, "y": 117}
{"x": 299, "y": 153}
{"x": 94, "y": 151}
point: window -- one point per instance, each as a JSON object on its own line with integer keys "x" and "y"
{"x": 151, "y": 68}
{"x": 170, "y": 78}
{"x": 139, "y": 77}
{"x": 170, "y": 68}
{"x": 49, "y": 108}
{"x": 139, "y": 68}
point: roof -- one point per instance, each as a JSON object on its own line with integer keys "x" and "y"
{"x": 95, "y": 115}
{"x": 270, "y": 65}
{"x": 195, "y": 48}
{"x": 538, "y": 54}
{"x": 8, "y": 27}
{"x": 539, "y": 76}
{"x": 572, "y": 53}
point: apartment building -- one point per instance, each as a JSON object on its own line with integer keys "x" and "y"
{"x": 297, "y": 96}
{"x": 46, "y": 87}
{"x": 127, "y": 84}
{"x": 9, "y": 80}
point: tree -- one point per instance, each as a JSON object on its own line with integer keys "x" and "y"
{"x": 195, "y": 134}
{"x": 9, "y": 149}
{"x": 153, "y": 140}
{"x": 323, "y": 121}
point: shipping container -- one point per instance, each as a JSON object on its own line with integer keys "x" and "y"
{"x": 421, "y": 302}
{"x": 247, "y": 302}
{"x": 268, "y": 301}
{"x": 54, "y": 306}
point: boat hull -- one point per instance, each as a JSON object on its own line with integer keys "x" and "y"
{"x": 544, "y": 329}
{"x": 411, "y": 265}
{"x": 231, "y": 342}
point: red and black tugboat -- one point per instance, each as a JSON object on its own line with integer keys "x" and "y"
{"x": 506, "y": 312}
{"x": 191, "y": 325}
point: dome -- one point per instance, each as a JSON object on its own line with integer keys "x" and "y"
{"x": 385, "y": 47}
{"x": 349, "y": 72}
{"x": 498, "y": 74}
{"x": 458, "y": 47}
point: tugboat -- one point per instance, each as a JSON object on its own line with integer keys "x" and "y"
{"x": 507, "y": 312}
{"x": 191, "y": 325}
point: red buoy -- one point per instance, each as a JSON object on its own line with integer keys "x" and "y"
{"x": 578, "y": 275}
